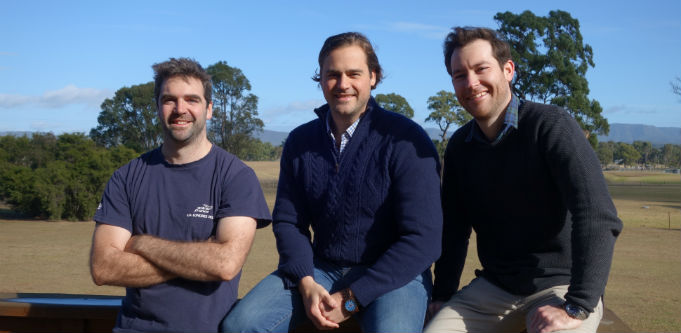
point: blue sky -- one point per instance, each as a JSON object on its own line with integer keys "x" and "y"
{"x": 60, "y": 59}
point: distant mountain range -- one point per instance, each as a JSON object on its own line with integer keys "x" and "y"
{"x": 618, "y": 132}
{"x": 633, "y": 132}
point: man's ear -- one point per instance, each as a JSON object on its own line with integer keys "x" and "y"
{"x": 509, "y": 70}
{"x": 209, "y": 110}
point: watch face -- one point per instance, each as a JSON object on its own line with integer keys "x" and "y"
{"x": 575, "y": 312}
{"x": 350, "y": 306}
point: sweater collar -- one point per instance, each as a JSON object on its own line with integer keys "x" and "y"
{"x": 510, "y": 121}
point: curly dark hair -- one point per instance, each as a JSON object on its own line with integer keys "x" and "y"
{"x": 346, "y": 39}
{"x": 183, "y": 67}
{"x": 461, "y": 36}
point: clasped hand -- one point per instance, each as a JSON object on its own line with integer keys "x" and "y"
{"x": 323, "y": 309}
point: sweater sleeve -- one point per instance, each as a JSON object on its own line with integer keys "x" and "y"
{"x": 456, "y": 232}
{"x": 595, "y": 225}
{"x": 290, "y": 226}
{"x": 415, "y": 188}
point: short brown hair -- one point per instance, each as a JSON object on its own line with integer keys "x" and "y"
{"x": 347, "y": 39}
{"x": 183, "y": 67}
{"x": 462, "y": 36}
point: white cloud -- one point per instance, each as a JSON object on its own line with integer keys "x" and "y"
{"x": 632, "y": 109}
{"x": 8, "y": 101}
{"x": 291, "y": 114}
{"x": 57, "y": 98}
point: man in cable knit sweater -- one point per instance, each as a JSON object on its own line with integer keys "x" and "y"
{"x": 366, "y": 181}
{"x": 524, "y": 177}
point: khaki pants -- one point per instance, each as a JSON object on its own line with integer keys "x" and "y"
{"x": 483, "y": 307}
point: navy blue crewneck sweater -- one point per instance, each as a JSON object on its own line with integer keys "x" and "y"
{"x": 379, "y": 206}
{"x": 538, "y": 203}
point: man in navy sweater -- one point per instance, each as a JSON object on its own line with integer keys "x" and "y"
{"x": 366, "y": 181}
{"x": 524, "y": 177}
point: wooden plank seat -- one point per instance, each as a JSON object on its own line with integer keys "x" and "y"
{"x": 31, "y": 312}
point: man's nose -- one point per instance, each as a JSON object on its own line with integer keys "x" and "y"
{"x": 472, "y": 81}
{"x": 180, "y": 106}
{"x": 343, "y": 82}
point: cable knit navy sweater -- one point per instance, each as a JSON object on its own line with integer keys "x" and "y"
{"x": 379, "y": 206}
{"x": 538, "y": 203}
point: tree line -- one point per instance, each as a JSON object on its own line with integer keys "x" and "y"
{"x": 56, "y": 177}
{"x": 641, "y": 153}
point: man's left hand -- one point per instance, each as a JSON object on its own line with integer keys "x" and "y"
{"x": 335, "y": 314}
{"x": 550, "y": 318}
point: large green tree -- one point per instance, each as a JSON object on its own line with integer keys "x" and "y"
{"x": 129, "y": 118}
{"x": 395, "y": 103}
{"x": 644, "y": 148}
{"x": 551, "y": 62}
{"x": 235, "y": 110}
{"x": 671, "y": 155}
{"x": 626, "y": 153}
{"x": 605, "y": 152}
{"x": 446, "y": 111}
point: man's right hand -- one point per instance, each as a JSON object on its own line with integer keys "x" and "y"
{"x": 315, "y": 298}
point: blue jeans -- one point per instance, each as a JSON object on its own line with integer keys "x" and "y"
{"x": 269, "y": 307}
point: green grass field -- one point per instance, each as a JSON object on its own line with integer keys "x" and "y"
{"x": 644, "y": 288}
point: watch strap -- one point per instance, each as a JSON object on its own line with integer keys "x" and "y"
{"x": 350, "y": 304}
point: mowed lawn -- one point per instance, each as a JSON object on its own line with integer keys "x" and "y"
{"x": 644, "y": 288}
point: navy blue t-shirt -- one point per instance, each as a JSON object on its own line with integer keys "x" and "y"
{"x": 180, "y": 203}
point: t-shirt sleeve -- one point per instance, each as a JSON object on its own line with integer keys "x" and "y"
{"x": 114, "y": 209}
{"x": 243, "y": 196}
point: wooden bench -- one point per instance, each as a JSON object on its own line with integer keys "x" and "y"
{"x": 28, "y": 312}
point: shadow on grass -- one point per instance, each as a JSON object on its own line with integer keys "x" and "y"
{"x": 667, "y": 229}
{"x": 9, "y": 214}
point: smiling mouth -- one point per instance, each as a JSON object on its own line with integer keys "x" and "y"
{"x": 478, "y": 95}
{"x": 180, "y": 122}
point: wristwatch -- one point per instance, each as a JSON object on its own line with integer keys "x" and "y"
{"x": 575, "y": 311}
{"x": 350, "y": 304}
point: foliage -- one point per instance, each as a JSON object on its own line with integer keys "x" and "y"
{"x": 56, "y": 177}
{"x": 671, "y": 155}
{"x": 257, "y": 150}
{"x": 31, "y": 152}
{"x": 235, "y": 111}
{"x": 626, "y": 153}
{"x": 605, "y": 151}
{"x": 395, "y": 103}
{"x": 676, "y": 86}
{"x": 551, "y": 62}
{"x": 445, "y": 111}
{"x": 130, "y": 119}
{"x": 644, "y": 149}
